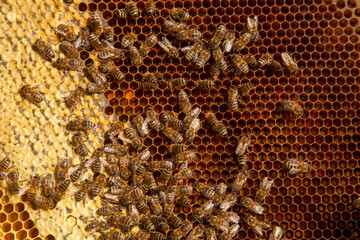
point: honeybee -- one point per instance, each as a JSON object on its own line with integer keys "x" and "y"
{"x": 177, "y": 83}
{"x": 150, "y": 181}
{"x": 192, "y": 52}
{"x": 77, "y": 172}
{"x": 184, "y": 102}
{"x": 96, "y": 226}
{"x": 204, "y": 56}
{"x": 239, "y": 181}
{"x": 183, "y": 190}
{"x": 196, "y": 233}
{"x": 220, "y": 188}
{"x": 164, "y": 177}
{"x": 132, "y": 9}
{"x": 229, "y": 201}
{"x": 240, "y": 65}
{"x": 174, "y": 123}
{"x": 61, "y": 169}
{"x": 228, "y": 42}
{"x": 242, "y": 160}
{"x": 150, "y": 7}
{"x": 31, "y": 94}
{"x": 205, "y": 209}
{"x": 160, "y": 223}
{"x": 153, "y": 121}
{"x": 95, "y": 24}
{"x": 154, "y": 204}
{"x": 65, "y": 31}
{"x": 146, "y": 47}
{"x": 296, "y": 166}
{"x": 168, "y": 47}
{"x": 32, "y": 188}
{"x": 263, "y": 190}
{"x": 191, "y": 132}
{"x": 243, "y": 145}
{"x": 80, "y": 124}
{"x": 181, "y": 231}
{"x": 205, "y": 190}
{"x": 82, "y": 42}
{"x": 141, "y": 158}
{"x": 142, "y": 207}
{"x": 290, "y": 63}
{"x": 214, "y": 72}
{"x": 69, "y": 64}
{"x": 183, "y": 201}
{"x": 265, "y": 59}
{"x": 82, "y": 190}
{"x": 96, "y": 161}
{"x": 62, "y": 186}
{"x": 156, "y": 235}
{"x": 95, "y": 43}
{"x": 146, "y": 86}
{"x": 277, "y": 234}
{"x": 116, "y": 73}
{"x": 173, "y": 135}
{"x": 110, "y": 52}
{"x": 252, "y": 28}
{"x": 97, "y": 186}
{"x": 122, "y": 13}
{"x": 131, "y": 137}
{"x": 119, "y": 150}
{"x": 79, "y": 145}
{"x": 179, "y": 14}
{"x": 242, "y": 42}
{"x": 229, "y": 216}
{"x": 140, "y": 124}
{"x": 44, "y": 49}
{"x": 191, "y": 34}
{"x": 177, "y": 148}
{"x": 48, "y": 183}
{"x": 293, "y": 106}
{"x": 4, "y": 166}
{"x": 233, "y": 101}
{"x": 218, "y": 36}
{"x": 252, "y": 205}
{"x": 219, "y": 59}
{"x": 12, "y": 179}
{"x": 205, "y": 84}
{"x": 114, "y": 234}
{"x": 123, "y": 222}
{"x": 69, "y": 49}
{"x": 43, "y": 202}
{"x": 135, "y": 56}
{"x": 356, "y": 203}
{"x": 114, "y": 131}
{"x": 220, "y": 223}
{"x": 173, "y": 27}
{"x": 168, "y": 210}
{"x": 216, "y": 125}
{"x": 256, "y": 225}
{"x": 147, "y": 224}
{"x": 230, "y": 234}
{"x": 152, "y": 78}
{"x": 244, "y": 88}
{"x": 183, "y": 174}
{"x": 109, "y": 34}
{"x": 210, "y": 234}
{"x": 251, "y": 60}
{"x": 108, "y": 210}
{"x": 128, "y": 40}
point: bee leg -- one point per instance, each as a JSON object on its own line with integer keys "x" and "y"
{"x": 241, "y": 101}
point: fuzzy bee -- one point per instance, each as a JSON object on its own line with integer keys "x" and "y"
{"x": 290, "y": 63}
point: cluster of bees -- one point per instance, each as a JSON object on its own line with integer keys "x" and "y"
{"x": 138, "y": 196}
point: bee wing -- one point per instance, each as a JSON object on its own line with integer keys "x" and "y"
{"x": 240, "y": 149}
{"x": 286, "y": 58}
{"x": 184, "y": 165}
{"x": 107, "y": 43}
{"x": 162, "y": 196}
{"x": 145, "y": 127}
{"x": 187, "y": 48}
{"x": 269, "y": 185}
{"x": 89, "y": 162}
{"x": 73, "y": 190}
{"x": 257, "y": 230}
{"x": 228, "y": 44}
{"x": 124, "y": 139}
{"x": 163, "y": 46}
{"x": 195, "y": 125}
{"x": 294, "y": 171}
{"x": 104, "y": 162}
{"x": 24, "y": 190}
{"x": 238, "y": 70}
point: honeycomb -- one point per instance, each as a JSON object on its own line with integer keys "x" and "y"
{"x": 321, "y": 35}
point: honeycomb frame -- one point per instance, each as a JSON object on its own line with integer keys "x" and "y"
{"x": 307, "y": 205}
